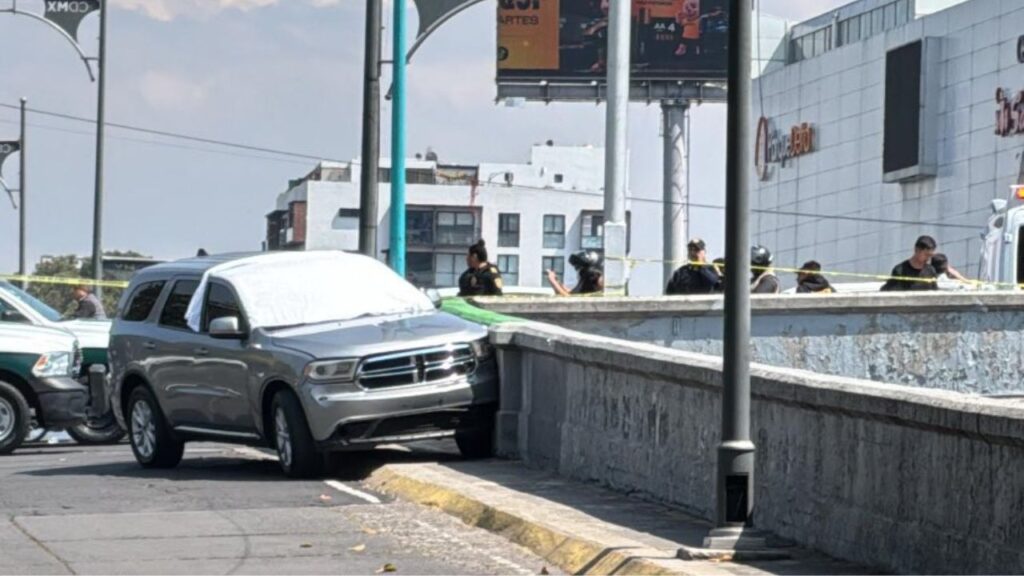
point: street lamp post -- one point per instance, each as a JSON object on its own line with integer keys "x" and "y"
{"x": 97, "y": 216}
{"x": 65, "y": 19}
{"x": 396, "y": 254}
{"x": 22, "y": 204}
{"x": 735, "y": 475}
{"x": 368, "y": 185}
{"x": 616, "y": 149}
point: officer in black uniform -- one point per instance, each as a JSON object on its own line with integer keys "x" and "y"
{"x": 481, "y": 278}
{"x": 696, "y": 276}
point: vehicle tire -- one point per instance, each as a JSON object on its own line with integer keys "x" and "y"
{"x": 152, "y": 442}
{"x": 97, "y": 431}
{"x": 296, "y": 450}
{"x": 477, "y": 442}
{"x": 15, "y": 418}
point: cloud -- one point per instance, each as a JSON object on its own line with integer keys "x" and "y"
{"x": 167, "y": 10}
{"x": 166, "y": 91}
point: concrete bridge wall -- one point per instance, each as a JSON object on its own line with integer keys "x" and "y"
{"x": 902, "y": 479}
{"x": 965, "y": 342}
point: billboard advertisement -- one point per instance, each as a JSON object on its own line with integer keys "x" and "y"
{"x": 566, "y": 40}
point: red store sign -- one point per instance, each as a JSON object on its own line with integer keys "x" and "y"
{"x": 1009, "y": 113}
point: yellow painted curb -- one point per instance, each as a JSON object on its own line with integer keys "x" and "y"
{"x": 569, "y": 553}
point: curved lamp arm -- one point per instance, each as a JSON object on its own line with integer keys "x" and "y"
{"x": 85, "y": 59}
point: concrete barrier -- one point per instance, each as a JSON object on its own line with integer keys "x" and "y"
{"x": 897, "y": 478}
{"x": 965, "y": 342}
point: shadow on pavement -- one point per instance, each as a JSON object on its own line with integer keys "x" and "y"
{"x": 226, "y": 467}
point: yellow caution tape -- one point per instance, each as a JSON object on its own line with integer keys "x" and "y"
{"x": 63, "y": 280}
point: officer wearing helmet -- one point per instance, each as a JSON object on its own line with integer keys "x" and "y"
{"x": 588, "y": 269}
{"x": 764, "y": 280}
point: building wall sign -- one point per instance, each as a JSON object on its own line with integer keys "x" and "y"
{"x": 1009, "y": 113}
{"x": 775, "y": 147}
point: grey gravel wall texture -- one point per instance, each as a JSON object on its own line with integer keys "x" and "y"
{"x": 898, "y": 478}
{"x": 965, "y": 342}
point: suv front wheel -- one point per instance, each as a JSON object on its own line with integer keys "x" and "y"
{"x": 296, "y": 451}
{"x": 14, "y": 418}
{"x": 152, "y": 442}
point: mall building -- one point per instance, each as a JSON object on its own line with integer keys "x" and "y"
{"x": 883, "y": 120}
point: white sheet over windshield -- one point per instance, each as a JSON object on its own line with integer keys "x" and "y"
{"x": 295, "y": 288}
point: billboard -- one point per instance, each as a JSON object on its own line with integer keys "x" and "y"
{"x": 566, "y": 40}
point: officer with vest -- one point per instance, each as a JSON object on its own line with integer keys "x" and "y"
{"x": 481, "y": 278}
{"x": 764, "y": 280}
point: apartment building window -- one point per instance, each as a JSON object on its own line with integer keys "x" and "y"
{"x": 508, "y": 230}
{"x": 554, "y": 231}
{"x": 419, "y": 227}
{"x": 447, "y": 269}
{"x": 592, "y": 231}
{"x": 508, "y": 264}
{"x": 425, "y": 227}
{"x": 419, "y": 268}
{"x": 556, "y": 263}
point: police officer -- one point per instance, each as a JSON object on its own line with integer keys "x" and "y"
{"x": 89, "y": 306}
{"x": 481, "y": 278}
{"x": 697, "y": 276}
{"x": 588, "y": 269}
{"x": 764, "y": 280}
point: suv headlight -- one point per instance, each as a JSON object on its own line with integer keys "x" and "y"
{"x": 331, "y": 370}
{"x": 53, "y": 364}
{"x": 482, "y": 349}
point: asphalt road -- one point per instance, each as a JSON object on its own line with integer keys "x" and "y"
{"x": 227, "y": 510}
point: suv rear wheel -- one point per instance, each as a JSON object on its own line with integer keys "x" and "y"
{"x": 152, "y": 442}
{"x": 296, "y": 451}
{"x": 14, "y": 418}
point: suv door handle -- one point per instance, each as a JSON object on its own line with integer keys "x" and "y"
{"x": 201, "y": 351}
{"x": 149, "y": 345}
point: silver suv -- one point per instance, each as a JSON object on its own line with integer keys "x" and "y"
{"x": 305, "y": 352}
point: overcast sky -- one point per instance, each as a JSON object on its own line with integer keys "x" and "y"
{"x": 282, "y": 74}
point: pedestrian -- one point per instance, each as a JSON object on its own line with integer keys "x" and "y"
{"x": 696, "y": 276}
{"x": 917, "y": 272}
{"x": 89, "y": 306}
{"x": 941, "y": 264}
{"x": 589, "y": 272}
{"x": 810, "y": 281}
{"x": 481, "y": 278}
{"x": 764, "y": 279}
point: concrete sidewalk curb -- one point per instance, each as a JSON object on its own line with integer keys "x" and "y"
{"x": 569, "y": 552}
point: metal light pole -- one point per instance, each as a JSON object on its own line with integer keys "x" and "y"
{"x": 368, "y": 184}
{"x": 97, "y": 218}
{"x": 616, "y": 149}
{"x": 396, "y": 253}
{"x": 676, "y": 194}
{"x": 735, "y": 477}
{"x": 22, "y": 268}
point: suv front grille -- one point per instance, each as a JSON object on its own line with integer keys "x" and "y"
{"x": 416, "y": 367}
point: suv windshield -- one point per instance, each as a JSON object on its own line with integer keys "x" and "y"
{"x": 31, "y": 301}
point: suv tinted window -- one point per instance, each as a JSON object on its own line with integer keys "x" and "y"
{"x": 142, "y": 301}
{"x": 173, "y": 314}
{"x": 220, "y": 303}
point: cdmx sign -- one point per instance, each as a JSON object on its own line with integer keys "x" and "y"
{"x": 775, "y": 147}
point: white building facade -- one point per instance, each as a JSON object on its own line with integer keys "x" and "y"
{"x": 886, "y": 120}
{"x": 532, "y": 216}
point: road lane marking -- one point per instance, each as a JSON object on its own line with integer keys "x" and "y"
{"x": 352, "y": 491}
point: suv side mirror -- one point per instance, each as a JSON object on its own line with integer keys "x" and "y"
{"x": 226, "y": 328}
{"x": 435, "y": 297}
{"x": 13, "y": 316}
